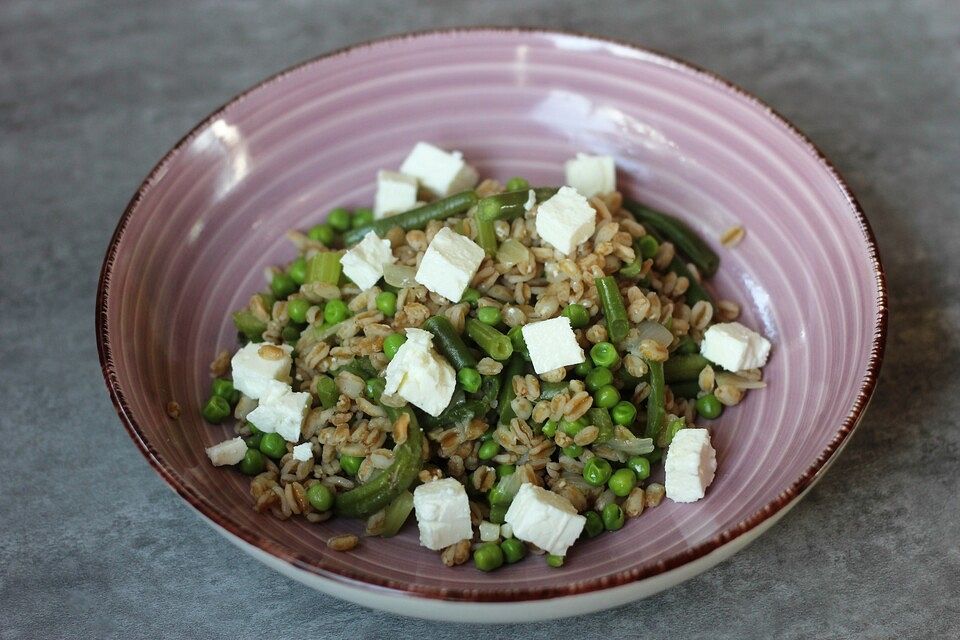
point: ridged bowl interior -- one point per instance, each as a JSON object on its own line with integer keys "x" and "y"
{"x": 193, "y": 244}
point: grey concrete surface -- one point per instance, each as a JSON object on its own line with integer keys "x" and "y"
{"x": 93, "y": 544}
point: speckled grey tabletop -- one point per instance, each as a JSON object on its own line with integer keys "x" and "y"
{"x": 94, "y": 545}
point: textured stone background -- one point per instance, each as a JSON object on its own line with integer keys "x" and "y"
{"x": 93, "y": 545}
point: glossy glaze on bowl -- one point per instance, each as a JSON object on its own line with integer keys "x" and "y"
{"x": 193, "y": 243}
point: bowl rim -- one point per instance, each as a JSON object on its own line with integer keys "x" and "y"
{"x": 313, "y": 564}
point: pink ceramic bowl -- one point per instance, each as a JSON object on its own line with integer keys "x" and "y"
{"x": 195, "y": 238}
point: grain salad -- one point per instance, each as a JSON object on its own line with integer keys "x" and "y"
{"x": 509, "y": 364}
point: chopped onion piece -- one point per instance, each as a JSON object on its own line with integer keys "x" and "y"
{"x": 512, "y": 252}
{"x": 397, "y": 275}
{"x": 650, "y": 330}
{"x": 734, "y": 380}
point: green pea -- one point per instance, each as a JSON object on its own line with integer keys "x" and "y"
{"x": 655, "y": 456}
{"x": 612, "y": 517}
{"x": 686, "y": 346}
{"x": 599, "y": 377}
{"x": 290, "y": 334}
{"x": 327, "y": 391}
{"x": 374, "y": 388}
{"x": 470, "y": 296}
{"x": 488, "y": 556}
{"x": 282, "y": 285}
{"x": 339, "y": 219}
{"x": 709, "y": 407}
{"x": 573, "y": 428}
{"x": 594, "y": 524}
{"x": 350, "y": 464}
{"x": 604, "y": 354}
{"x": 549, "y": 428}
{"x": 320, "y": 497}
{"x": 392, "y": 343}
{"x": 216, "y": 410}
{"x": 224, "y": 388}
{"x": 322, "y": 233}
{"x": 606, "y": 397}
{"x": 519, "y": 344}
{"x": 516, "y": 183}
{"x": 513, "y": 550}
{"x": 573, "y": 451}
{"x": 577, "y": 314}
{"x": 298, "y": 270}
{"x": 252, "y": 463}
{"x": 297, "y": 310}
{"x": 273, "y": 445}
{"x": 554, "y": 561}
{"x": 596, "y": 471}
{"x": 497, "y": 513}
{"x": 387, "y": 303}
{"x": 335, "y": 311}
{"x": 640, "y": 467}
{"x": 506, "y": 470}
{"x": 648, "y": 246}
{"x": 623, "y": 413}
{"x": 489, "y": 315}
{"x": 667, "y": 433}
{"x": 488, "y": 450}
{"x": 362, "y": 217}
{"x": 486, "y": 435}
{"x": 253, "y": 441}
{"x": 253, "y": 428}
{"x": 469, "y": 379}
{"x": 622, "y": 482}
{"x": 583, "y": 369}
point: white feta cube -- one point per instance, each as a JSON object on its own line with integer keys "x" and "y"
{"x": 420, "y": 375}
{"x": 552, "y": 344}
{"x": 440, "y": 172}
{"x": 396, "y": 192}
{"x": 303, "y": 452}
{"x": 449, "y": 264}
{"x": 365, "y": 261}
{"x": 443, "y": 513}
{"x": 735, "y": 347}
{"x": 544, "y": 518}
{"x": 489, "y": 532}
{"x": 252, "y": 371}
{"x": 281, "y": 410}
{"x": 227, "y": 452}
{"x": 690, "y": 465}
{"x": 591, "y": 175}
{"x": 566, "y": 220}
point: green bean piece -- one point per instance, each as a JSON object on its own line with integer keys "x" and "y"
{"x": 254, "y": 440}
{"x": 688, "y": 389}
{"x": 505, "y": 490}
{"x": 382, "y": 489}
{"x": 513, "y": 550}
{"x": 544, "y": 193}
{"x": 633, "y": 269}
{"x": 665, "y": 437}
{"x": 686, "y": 346}
{"x": 618, "y": 324}
{"x": 601, "y": 419}
{"x": 695, "y": 291}
{"x": 249, "y": 325}
{"x": 675, "y": 230}
{"x": 554, "y": 561}
{"x": 709, "y": 407}
{"x": 488, "y": 556}
{"x": 681, "y": 368}
{"x": 397, "y": 513}
{"x": 505, "y": 470}
{"x": 374, "y": 388}
{"x": 449, "y": 343}
{"x": 515, "y": 367}
{"x": 574, "y": 427}
{"x": 320, "y": 497}
{"x": 503, "y": 206}
{"x": 415, "y": 218}
{"x": 519, "y": 344}
{"x": 549, "y": 428}
{"x": 656, "y": 400}
{"x": 655, "y": 456}
{"x": 497, "y": 513}
{"x": 469, "y": 379}
{"x": 487, "y": 236}
{"x": 324, "y": 267}
{"x": 326, "y": 390}
{"x": 290, "y": 334}
{"x": 550, "y": 389}
{"x": 494, "y": 343}
{"x": 594, "y": 525}
{"x": 216, "y": 410}
{"x": 646, "y": 247}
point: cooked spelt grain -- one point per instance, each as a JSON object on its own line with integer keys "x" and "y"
{"x": 456, "y": 554}
{"x": 732, "y": 236}
{"x": 729, "y": 395}
{"x": 173, "y": 410}
{"x": 344, "y": 542}
{"x": 634, "y": 503}
{"x": 728, "y": 310}
{"x": 220, "y": 366}
{"x": 653, "y": 494}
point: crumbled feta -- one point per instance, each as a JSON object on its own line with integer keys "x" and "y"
{"x": 552, "y": 344}
{"x": 449, "y": 264}
{"x": 591, "y": 175}
{"x": 690, "y": 465}
{"x": 544, "y": 518}
{"x": 566, "y": 220}
{"x": 489, "y": 532}
{"x": 735, "y": 347}
{"x": 227, "y": 452}
{"x": 281, "y": 410}
{"x": 303, "y": 452}
{"x": 442, "y": 173}
{"x": 364, "y": 262}
{"x": 443, "y": 513}
{"x": 420, "y": 375}
{"x": 531, "y": 200}
{"x": 396, "y": 193}
{"x": 252, "y": 372}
